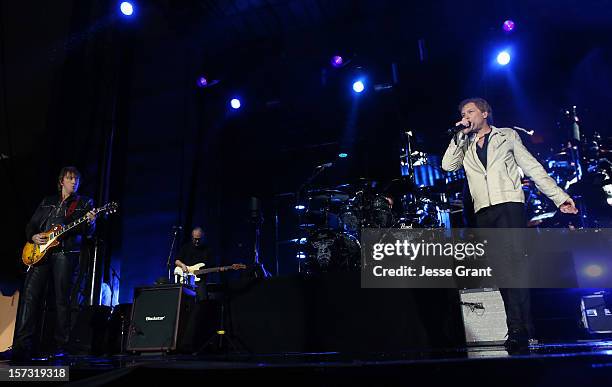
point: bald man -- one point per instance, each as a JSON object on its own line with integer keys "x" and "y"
{"x": 195, "y": 251}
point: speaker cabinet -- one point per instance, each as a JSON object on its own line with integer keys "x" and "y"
{"x": 159, "y": 314}
{"x": 596, "y": 315}
{"x": 484, "y": 316}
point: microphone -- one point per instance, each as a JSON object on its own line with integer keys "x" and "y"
{"x": 326, "y": 165}
{"x": 456, "y": 129}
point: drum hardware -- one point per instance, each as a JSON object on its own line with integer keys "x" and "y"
{"x": 298, "y": 202}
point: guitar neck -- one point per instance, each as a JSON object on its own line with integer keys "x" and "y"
{"x": 212, "y": 270}
{"x": 75, "y": 223}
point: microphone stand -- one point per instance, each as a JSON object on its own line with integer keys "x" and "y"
{"x": 257, "y": 221}
{"x": 169, "y": 272}
{"x": 112, "y": 285}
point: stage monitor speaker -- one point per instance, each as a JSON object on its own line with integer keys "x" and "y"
{"x": 596, "y": 315}
{"x": 158, "y": 315}
{"x": 484, "y": 316}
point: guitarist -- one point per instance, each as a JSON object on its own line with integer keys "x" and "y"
{"x": 58, "y": 268}
{"x": 193, "y": 252}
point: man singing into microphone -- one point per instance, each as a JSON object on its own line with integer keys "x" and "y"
{"x": 491, "y": 158}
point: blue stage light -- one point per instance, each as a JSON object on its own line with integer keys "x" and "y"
{"x": 343, "y": 155}
{"x": 235, "y": 103}
{"x": 503, "y": 58}
{"x": 337, "y": 61}
{"x": 202, "y": 82}
{"x": 358, "y": 86}
{"x": 126, "y": 8}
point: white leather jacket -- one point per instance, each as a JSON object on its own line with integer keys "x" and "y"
{"x": 500, "y": 181}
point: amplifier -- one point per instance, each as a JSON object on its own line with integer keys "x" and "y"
{"x": 484, "y": 316}
{"x": 158, "y": 316}
{"x": 596, "y": 315}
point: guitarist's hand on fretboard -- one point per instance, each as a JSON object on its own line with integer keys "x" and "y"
{"x": 91, "y": 216}
{"x": 40, "y": 239}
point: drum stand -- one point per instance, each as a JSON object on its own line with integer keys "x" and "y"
{"x": 317, "y": 172}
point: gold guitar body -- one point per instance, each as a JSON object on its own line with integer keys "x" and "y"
{"x": 33, "y": 253}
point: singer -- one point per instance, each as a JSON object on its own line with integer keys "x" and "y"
{"x": 491, "y": 158}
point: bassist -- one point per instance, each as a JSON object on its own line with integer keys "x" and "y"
{"x": 193, "y": 252}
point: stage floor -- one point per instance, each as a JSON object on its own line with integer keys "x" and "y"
{"x": 583, "y": 363}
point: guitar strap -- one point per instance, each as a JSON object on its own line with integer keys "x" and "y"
{"x": 73, "y": 206}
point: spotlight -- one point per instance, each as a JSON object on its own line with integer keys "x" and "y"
{"x": 126, "y": 8}
{"x": 300, "y": 207}
{"x": 358, "y": 86}
{"x": 593, "y": 270}
{"x": 337, "y": 61}
{"x": 503, "y": 58}
{"x": 202, "y": 81}
{"x": 508, "y": 25}
{"x": 343, "y": 155}
{"x": 235, "y": 103}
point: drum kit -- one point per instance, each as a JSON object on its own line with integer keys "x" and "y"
{"x": 332, "y": 218}
{"x": 584, "y": 170}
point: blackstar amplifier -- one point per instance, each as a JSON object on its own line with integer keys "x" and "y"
{"x": 484, "y": 316}
{"x": 158, "y": 316}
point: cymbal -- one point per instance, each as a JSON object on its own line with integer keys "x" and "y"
{"x": 331, "y": 195}
{"x": 357, "y": 185}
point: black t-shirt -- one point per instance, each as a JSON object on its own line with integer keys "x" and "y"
{"x": 190, "y": 254}
{"x": 482, "y": 152}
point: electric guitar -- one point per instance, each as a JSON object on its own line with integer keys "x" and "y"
{"x": 33, "y": 253}
{"x": 196, "y": 270}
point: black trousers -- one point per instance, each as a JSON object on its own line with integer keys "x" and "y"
{"x": 517, "y": 301}
{"x": 57, "y": 270}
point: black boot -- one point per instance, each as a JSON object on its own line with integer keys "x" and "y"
{"x": 517, "y": 342}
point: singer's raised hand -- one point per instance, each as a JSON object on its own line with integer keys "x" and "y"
{"x": 467, "y": 124}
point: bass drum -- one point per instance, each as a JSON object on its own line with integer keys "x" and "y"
{"x": 367, "y": 210}
{"x": 329, "y": 251}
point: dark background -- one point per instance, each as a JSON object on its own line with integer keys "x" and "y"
{"x": 117, "y": 97}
